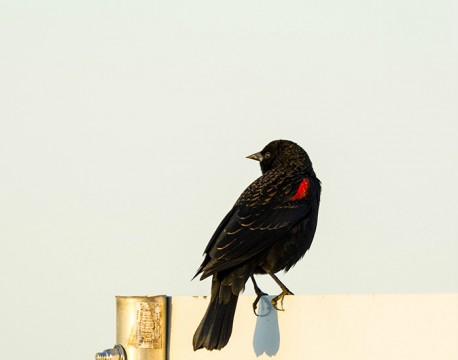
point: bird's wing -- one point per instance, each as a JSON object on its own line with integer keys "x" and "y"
{"x": 266, "y": 210}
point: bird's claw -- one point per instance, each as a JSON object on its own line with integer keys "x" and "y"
{"x": 255, "y": 303}
{"x": 279, "y": 299}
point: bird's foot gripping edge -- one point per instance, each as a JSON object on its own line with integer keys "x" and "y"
{"x": 255, "y": 304}
{"x": 279, "y": 299}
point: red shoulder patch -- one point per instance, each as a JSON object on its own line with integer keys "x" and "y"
{"x": 302, "y": 190}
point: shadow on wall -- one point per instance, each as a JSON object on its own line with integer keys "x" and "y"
{"x": 266, "y": 338}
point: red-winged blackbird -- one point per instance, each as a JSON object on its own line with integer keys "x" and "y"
{"x": 269, "y": 229}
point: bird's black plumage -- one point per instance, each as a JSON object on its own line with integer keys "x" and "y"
{"x": 269, "y": 229}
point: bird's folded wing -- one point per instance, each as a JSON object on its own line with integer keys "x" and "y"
{"x": 246, "y": 231}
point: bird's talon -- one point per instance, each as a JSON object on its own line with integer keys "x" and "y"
{"x": 255, "y": 304}
{"x": 279, "y": 299}
{"x": 275, "y": 302}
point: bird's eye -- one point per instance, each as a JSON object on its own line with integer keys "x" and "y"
{"x": 267, "y": 155}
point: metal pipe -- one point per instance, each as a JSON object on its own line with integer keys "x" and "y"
{"x": 141, "y": 326}
{"x": 140, "y": 329}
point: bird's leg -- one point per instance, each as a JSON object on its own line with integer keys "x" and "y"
{"x": 258, "y": 292}
{"x": 279, "y": 298}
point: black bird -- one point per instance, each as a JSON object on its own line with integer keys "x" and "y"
{"x": 269, "y": 229}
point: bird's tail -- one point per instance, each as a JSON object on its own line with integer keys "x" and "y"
{"x": 215, "y": 328}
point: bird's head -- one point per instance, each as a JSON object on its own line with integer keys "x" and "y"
{"x": 282, "y": 154}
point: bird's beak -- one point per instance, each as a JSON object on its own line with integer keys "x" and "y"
{"x": 257, "y": 156}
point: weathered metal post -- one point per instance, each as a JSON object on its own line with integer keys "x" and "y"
{"x": 141, "y": 325}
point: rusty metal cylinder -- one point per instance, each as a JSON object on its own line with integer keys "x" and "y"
{"x": 141, "y": 326}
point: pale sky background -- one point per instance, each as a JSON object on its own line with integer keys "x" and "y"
{"x": 124, "y": 127}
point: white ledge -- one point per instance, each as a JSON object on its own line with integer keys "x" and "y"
{"x": 341, "y": 327}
